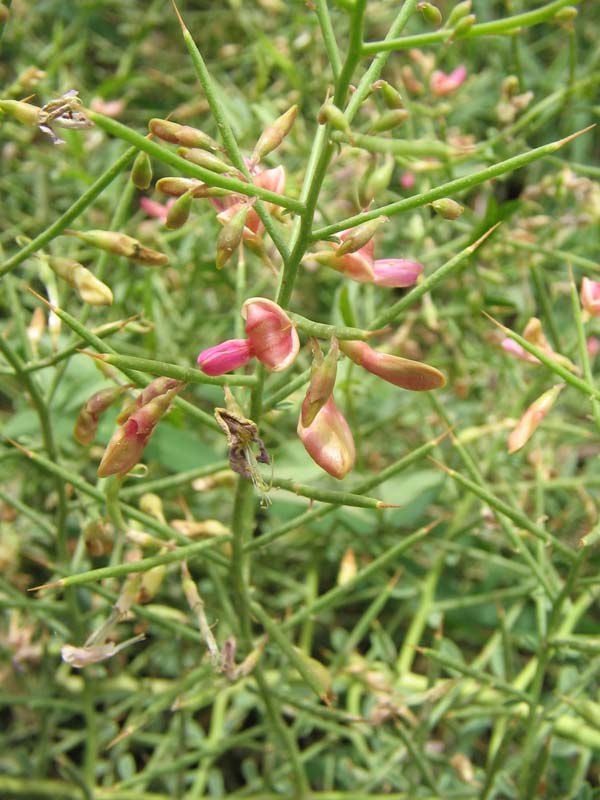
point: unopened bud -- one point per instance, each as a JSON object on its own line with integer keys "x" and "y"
{"x": 230, "y": 236}
{"x": 359, "y": 236}
{"x": 87, "y": 422}
{"x": 272, "y": 137}
{"x": 179, "y": 213}
{"x": 89, "y": 288}
{"x": 175, "y": 187}
{"x": 322, "y": 381}
{"x": 389, "y": 120}
{"x": 413, "y": 375}
{"x": 98, "y": 536}
{"x": 122, "y": 245}
{"x": 531, "y": 419}
{"x": 465, "y": 25}
{"x": 154, "y": 389}
{"x": 183, "y": 135}
{"x": 431, "y": 14}
{"x": 330, "y": 113}
{"x": 347, "y": 570}
{"x": 21, "y": 111}
{"x": 566, "y": 14}
{"x": 204, "y": 159}
{"x": 459, "y": 11}
{"x": 141, "y": 172}
{"x": 391, "y": 97}
{"x": 447, "y": 208}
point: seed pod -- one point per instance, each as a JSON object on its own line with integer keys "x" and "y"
{"x": 389, "y": 120}
{"x": 24, "y": 112}
{"x": 447, "y": 208}
{"x": 272, "y": 137}
{"x": 141, "y": 172}
{"x": 121, "y": 245}
{"x": 179, "y": 213}
{"x": 230, "y": 236}
{"x": 204, "y": 159}
{"x": 183, "y": 135}
{"x": 431, "y": 14}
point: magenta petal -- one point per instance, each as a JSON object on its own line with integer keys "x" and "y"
{"x": 225, "y": 357}
{"x": 396, "y": 272}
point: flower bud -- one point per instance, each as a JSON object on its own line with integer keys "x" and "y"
{"x": 447, "y": 208}
{"x": 321, "y": 676}
{"x": 464, "y": 25}
{"x": 272, "y": 137}
{"x": 128, "y": 442}
{"x": 459, "y": 11}
{"x": 204, "y": 159}
{"x": 154, "y": 389}
{"x": 183, "y": 135}
{"x": 590, "y": 296}
{"x": 151, "y": 504}
{"x": 87, "y": 422}
{"x": 179, "y": 213}
{"x": 391, "y": 97}
{"x": 271, "y": 333}
{"x": 322, "y": 381}
{"x": 21, "y": 111}
{"x": 151, "y": 581}
{"x": 530, "y": 420}
{"x": 356, "y": 238}
{"x": 431, "y": 14}
{"x": 566, "y": 14}
{"x": 141, "y": 172}
{"x": 225, "y": 357}
{"x": 330, "y": 113}
{"x": 403, "y": 372}
{"x": 328, "y": 440}
{"x": 396, "y": 272}
{"x": 121, "y": 245}
{"x": 178, "y": 186}
{"x": 231, "y": 235}
{"x": 389, "y": 120}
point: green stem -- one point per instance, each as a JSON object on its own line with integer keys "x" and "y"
{"x": 86, "y": 199}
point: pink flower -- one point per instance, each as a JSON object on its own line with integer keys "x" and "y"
{"x": 156, "y": 210}
{"x": 515, "y": 349}
{"x": 443, "y": 84}
{"x": 396, "y": 272}
{"x": 328, "y": 441}
{"x": 271, "y": 333}
{"x": 407, "y": 180}
{"x": 593, "y": 346}
{"x": 271, "y": 179}
{"x": 403, "y": 372}
{"x": 224, "y": 357}
{"x": 590, "y": 296}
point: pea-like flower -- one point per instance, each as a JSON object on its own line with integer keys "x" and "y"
{"x": 328, "y": 440}
{"x": 225, "y": 357}
{"x": 271, "y": 333}
{"x": 442, "y": 84}
{"x": 590, "y": 296}
{"x": 403, "y": 372}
